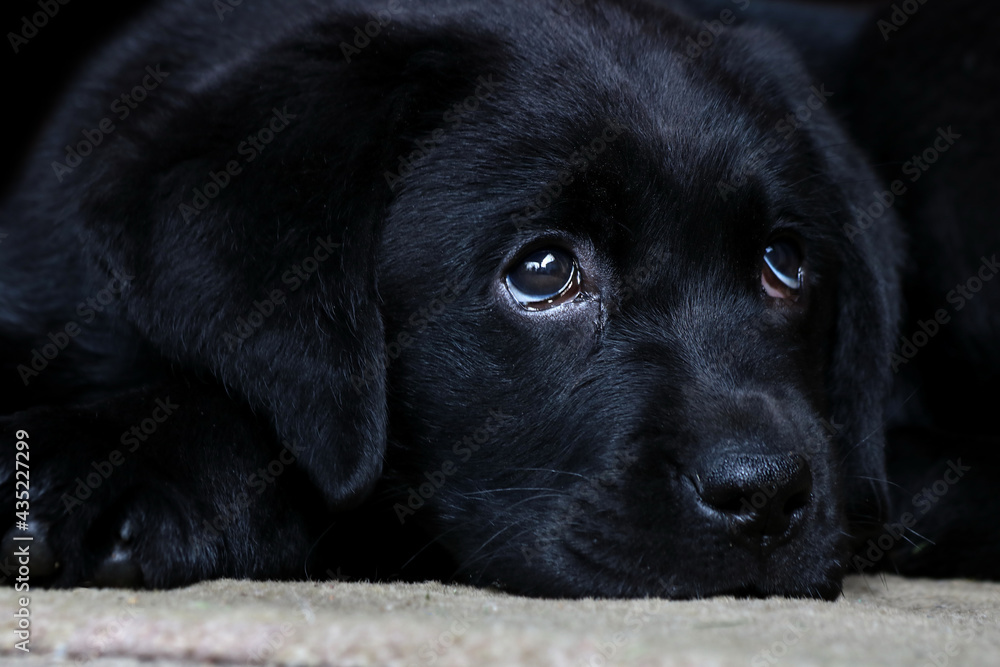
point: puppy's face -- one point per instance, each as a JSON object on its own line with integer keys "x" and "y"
{"x": 635, "y": 341}
{"x": 619, "y": 333}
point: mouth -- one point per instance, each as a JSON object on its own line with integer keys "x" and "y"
{"x": 610, "y": 563}
{"x": 576, "y": 573}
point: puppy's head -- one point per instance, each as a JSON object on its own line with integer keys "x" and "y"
{"x": 606, "y": 297}
{"x": 636, "y": 337}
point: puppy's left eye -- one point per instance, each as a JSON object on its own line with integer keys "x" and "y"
{"x": 781, "y": 276}
{"x": 544, "y": 279}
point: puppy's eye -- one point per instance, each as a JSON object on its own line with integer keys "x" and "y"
{"x": 782, "y": 272}
{"x": 544, "y": 279}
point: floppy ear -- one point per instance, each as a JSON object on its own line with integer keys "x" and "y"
{"x": 246, "y": 200}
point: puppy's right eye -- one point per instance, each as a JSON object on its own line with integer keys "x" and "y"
{"x": 544, "y": 279}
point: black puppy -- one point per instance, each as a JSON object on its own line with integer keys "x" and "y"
{"x": 592, "y": 311}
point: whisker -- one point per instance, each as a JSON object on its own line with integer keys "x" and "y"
{"x": 923, "y": 537}
{"x": 436, "y": 539}
{"x": 879, "y": 428}
{"x": 558, "y": 472}
{"x": 510, "y": 489}
{"x": 469, "y": 561}
{"x": 882, "y": 480}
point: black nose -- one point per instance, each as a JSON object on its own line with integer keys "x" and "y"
{"x": 765, "y": 494}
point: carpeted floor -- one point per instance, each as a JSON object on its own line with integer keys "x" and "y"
{"x": 889, "y": 621}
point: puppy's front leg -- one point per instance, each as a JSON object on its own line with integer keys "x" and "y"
{"x": 160, "y": 486}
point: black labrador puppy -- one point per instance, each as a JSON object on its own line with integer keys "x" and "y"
{"x": 576, "y": 298}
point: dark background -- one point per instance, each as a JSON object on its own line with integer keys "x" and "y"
{"x": 33, "y": 77}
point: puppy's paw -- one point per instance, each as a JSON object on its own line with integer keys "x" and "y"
{"x": 121, "y": 568}
{"x": 96, "y": 516}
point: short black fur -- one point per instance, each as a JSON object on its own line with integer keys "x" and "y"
{"x": 310, "y": 364}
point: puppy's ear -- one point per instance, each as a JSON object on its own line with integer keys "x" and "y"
{"x": 245, "y": 202}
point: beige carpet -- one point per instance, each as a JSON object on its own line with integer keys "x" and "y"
{"x": 889, "y": 621}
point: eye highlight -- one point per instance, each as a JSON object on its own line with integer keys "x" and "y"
{"x": 782, "y": 274}
{"x": 544, "y": 279}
